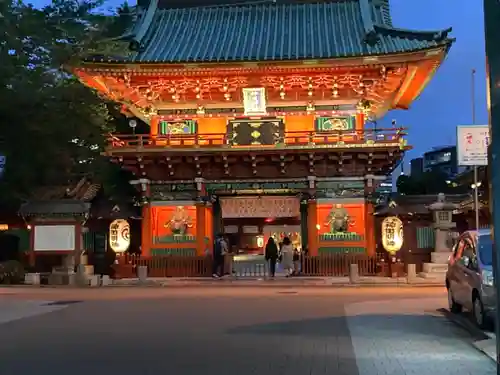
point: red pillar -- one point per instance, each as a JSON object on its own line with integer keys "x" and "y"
{"x": 312, "y": 222}
{"x": 201, "y": 212}
{"x": 360, "y": 125}
{"x": 146, "y": 234}
{"x": 370, "y": 229}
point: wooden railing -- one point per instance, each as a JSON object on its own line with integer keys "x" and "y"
{"x": 293, "y": 139}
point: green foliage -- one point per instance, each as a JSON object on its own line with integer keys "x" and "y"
{"x": 51, "y": 126}
{"x": 433, "y": 182}
{"x": 11, "y": 272}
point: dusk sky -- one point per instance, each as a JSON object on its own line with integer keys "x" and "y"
{"x": 446, "y": 102}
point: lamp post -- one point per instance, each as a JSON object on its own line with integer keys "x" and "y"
{"x": 492, "y": 35}
{"x": 476, "y": 184}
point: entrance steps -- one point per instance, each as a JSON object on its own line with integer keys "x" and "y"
{"x": 434, "y": 271}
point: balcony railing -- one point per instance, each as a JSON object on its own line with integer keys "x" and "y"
{"x": 378, "y": 137}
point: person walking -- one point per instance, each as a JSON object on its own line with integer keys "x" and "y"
{"x": 287, "y": 256}
{"x": 271, "y": 255}
{"x": 220, "y": 249}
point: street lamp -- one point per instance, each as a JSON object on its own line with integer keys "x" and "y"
{"x": 476, "y": 185}
{"x": 133, "y": 124}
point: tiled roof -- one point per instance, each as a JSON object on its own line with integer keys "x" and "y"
{"x": 54, "y": 207}
{"x": 266, "y": 31}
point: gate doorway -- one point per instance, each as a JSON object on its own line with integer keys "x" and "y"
{"x": 248, "y": 238}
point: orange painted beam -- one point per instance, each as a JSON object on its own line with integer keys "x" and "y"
{"x": 418, "y": 77}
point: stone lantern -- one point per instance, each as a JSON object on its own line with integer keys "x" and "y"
{"x": 442, "y": 214}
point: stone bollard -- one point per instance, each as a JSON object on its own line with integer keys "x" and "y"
{"x": 32, "y": 279}
{"x": 89, "y": 270}
{"x": 142, "y": 274}
{"x": 411, "y": 273}
{"x": 353, "y": 273}
{"x": 81, "y": 279}
{"x": 94, "y": 280}
{"x": 105, "y": 280}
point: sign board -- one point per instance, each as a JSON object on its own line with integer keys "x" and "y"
{"x": 119, "y": 235}
{"x": 254, "y": 101}
{"x": 54, "y": 238}
{"x": 472, "y": 145}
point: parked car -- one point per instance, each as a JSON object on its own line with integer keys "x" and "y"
{"x": 469, "y": 279}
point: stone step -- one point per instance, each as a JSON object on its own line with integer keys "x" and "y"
{"x": 440, "y": 257}
{"x": 433, "y": 276}
{"x": 435, "y": 268}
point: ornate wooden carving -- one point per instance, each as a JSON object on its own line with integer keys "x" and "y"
{"x": 148, "y": 92}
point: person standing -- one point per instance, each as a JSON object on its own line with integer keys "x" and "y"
{"x": 220, "y": 249}
{"x": 228, "y": 257}
{"x": 287, "y": 256}
{"x": 296, "y": 261}
{"x": 271, "y": 255}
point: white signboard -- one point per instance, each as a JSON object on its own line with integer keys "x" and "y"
{"x": 54, "y": 237}
{"x": 254, "y": 101}
{"x": 472, "y": 145}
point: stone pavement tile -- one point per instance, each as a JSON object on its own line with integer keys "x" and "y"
{"x": 11, "y": 310}
{"x": 410, "y": 338}
{"x": 270, "y": 335}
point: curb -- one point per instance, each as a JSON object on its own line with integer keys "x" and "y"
{"x": 258, "y": 284}
{"x": 229, "y": 283}
{"x": 484, "y": 342}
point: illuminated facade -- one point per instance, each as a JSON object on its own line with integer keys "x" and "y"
{"x": 259, "y": 118}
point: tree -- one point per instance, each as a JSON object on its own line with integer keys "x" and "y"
{"x": 51, "y": 126}
{"x": 432, "y": 182}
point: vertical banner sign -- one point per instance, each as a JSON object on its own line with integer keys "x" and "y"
{"x": 472, "y": 145}
{"x": 2, "y": 164}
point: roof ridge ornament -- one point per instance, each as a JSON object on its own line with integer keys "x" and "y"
{"x": 371, "y": 35}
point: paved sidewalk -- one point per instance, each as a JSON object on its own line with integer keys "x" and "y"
{"x": 411, "y": 338}
{"x": 488, "y": 346}
{"x": 11, "y": 310}
{"x": 282, "y": 281}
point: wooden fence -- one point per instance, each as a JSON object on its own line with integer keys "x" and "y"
{"x": 164, "y": 266}
{"x": 339, "y": 264}
{"x": 328, "y": 265}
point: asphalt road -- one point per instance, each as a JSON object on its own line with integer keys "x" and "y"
{"x": 187, "y": 331}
